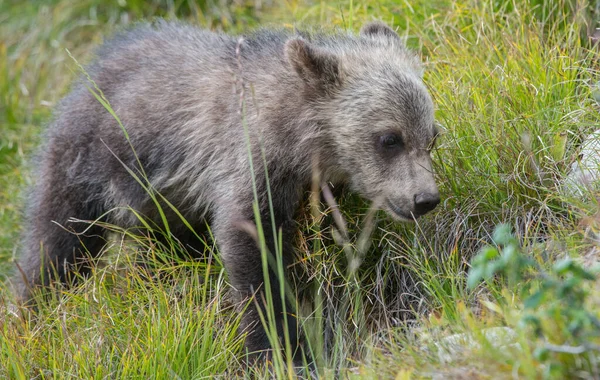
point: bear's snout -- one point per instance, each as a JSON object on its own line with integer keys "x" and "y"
{"x": 425, "y": 202}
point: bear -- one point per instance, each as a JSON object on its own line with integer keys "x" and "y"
{"x": 221, "y": 126}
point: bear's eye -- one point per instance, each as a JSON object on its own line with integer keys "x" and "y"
{"x": 391, "y": 141}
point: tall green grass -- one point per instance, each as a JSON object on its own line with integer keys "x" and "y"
{"x": 512, "y": 82}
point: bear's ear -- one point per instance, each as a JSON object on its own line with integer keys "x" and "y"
{"x": 378, "y": 28}
{"x": 312, "y": 63}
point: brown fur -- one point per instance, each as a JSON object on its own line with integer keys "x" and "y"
{"x": 355, "y": 102}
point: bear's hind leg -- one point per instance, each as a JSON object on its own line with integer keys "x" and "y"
{"x": 54, "y": 245}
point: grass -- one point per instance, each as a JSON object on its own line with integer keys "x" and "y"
{"x": 513, "y": 85}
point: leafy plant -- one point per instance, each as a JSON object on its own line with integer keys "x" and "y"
{"x": 555, "y": 306}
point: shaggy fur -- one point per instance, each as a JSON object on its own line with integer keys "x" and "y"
{"x": 355, "y": 103}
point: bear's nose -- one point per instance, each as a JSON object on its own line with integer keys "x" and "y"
{"x": 425, "y": 202}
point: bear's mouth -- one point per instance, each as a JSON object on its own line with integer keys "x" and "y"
{"x": 399, "y": 212}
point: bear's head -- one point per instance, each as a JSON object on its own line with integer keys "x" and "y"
{"x": 376, "y": 113}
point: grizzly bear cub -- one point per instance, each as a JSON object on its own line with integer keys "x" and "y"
{"x": 216, "y": 121}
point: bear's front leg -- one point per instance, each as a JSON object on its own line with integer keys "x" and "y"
{"x": 243, "y": 262}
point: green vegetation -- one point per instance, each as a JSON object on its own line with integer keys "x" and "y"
{"x": 513, "y": 83}
{"x": 555, "y": 303}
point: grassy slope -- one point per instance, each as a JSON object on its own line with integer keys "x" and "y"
{"x": 512, "y": 84}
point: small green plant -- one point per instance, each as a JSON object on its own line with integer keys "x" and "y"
{"x": 504, "y": 258}
{"x": 556, "y": 304}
